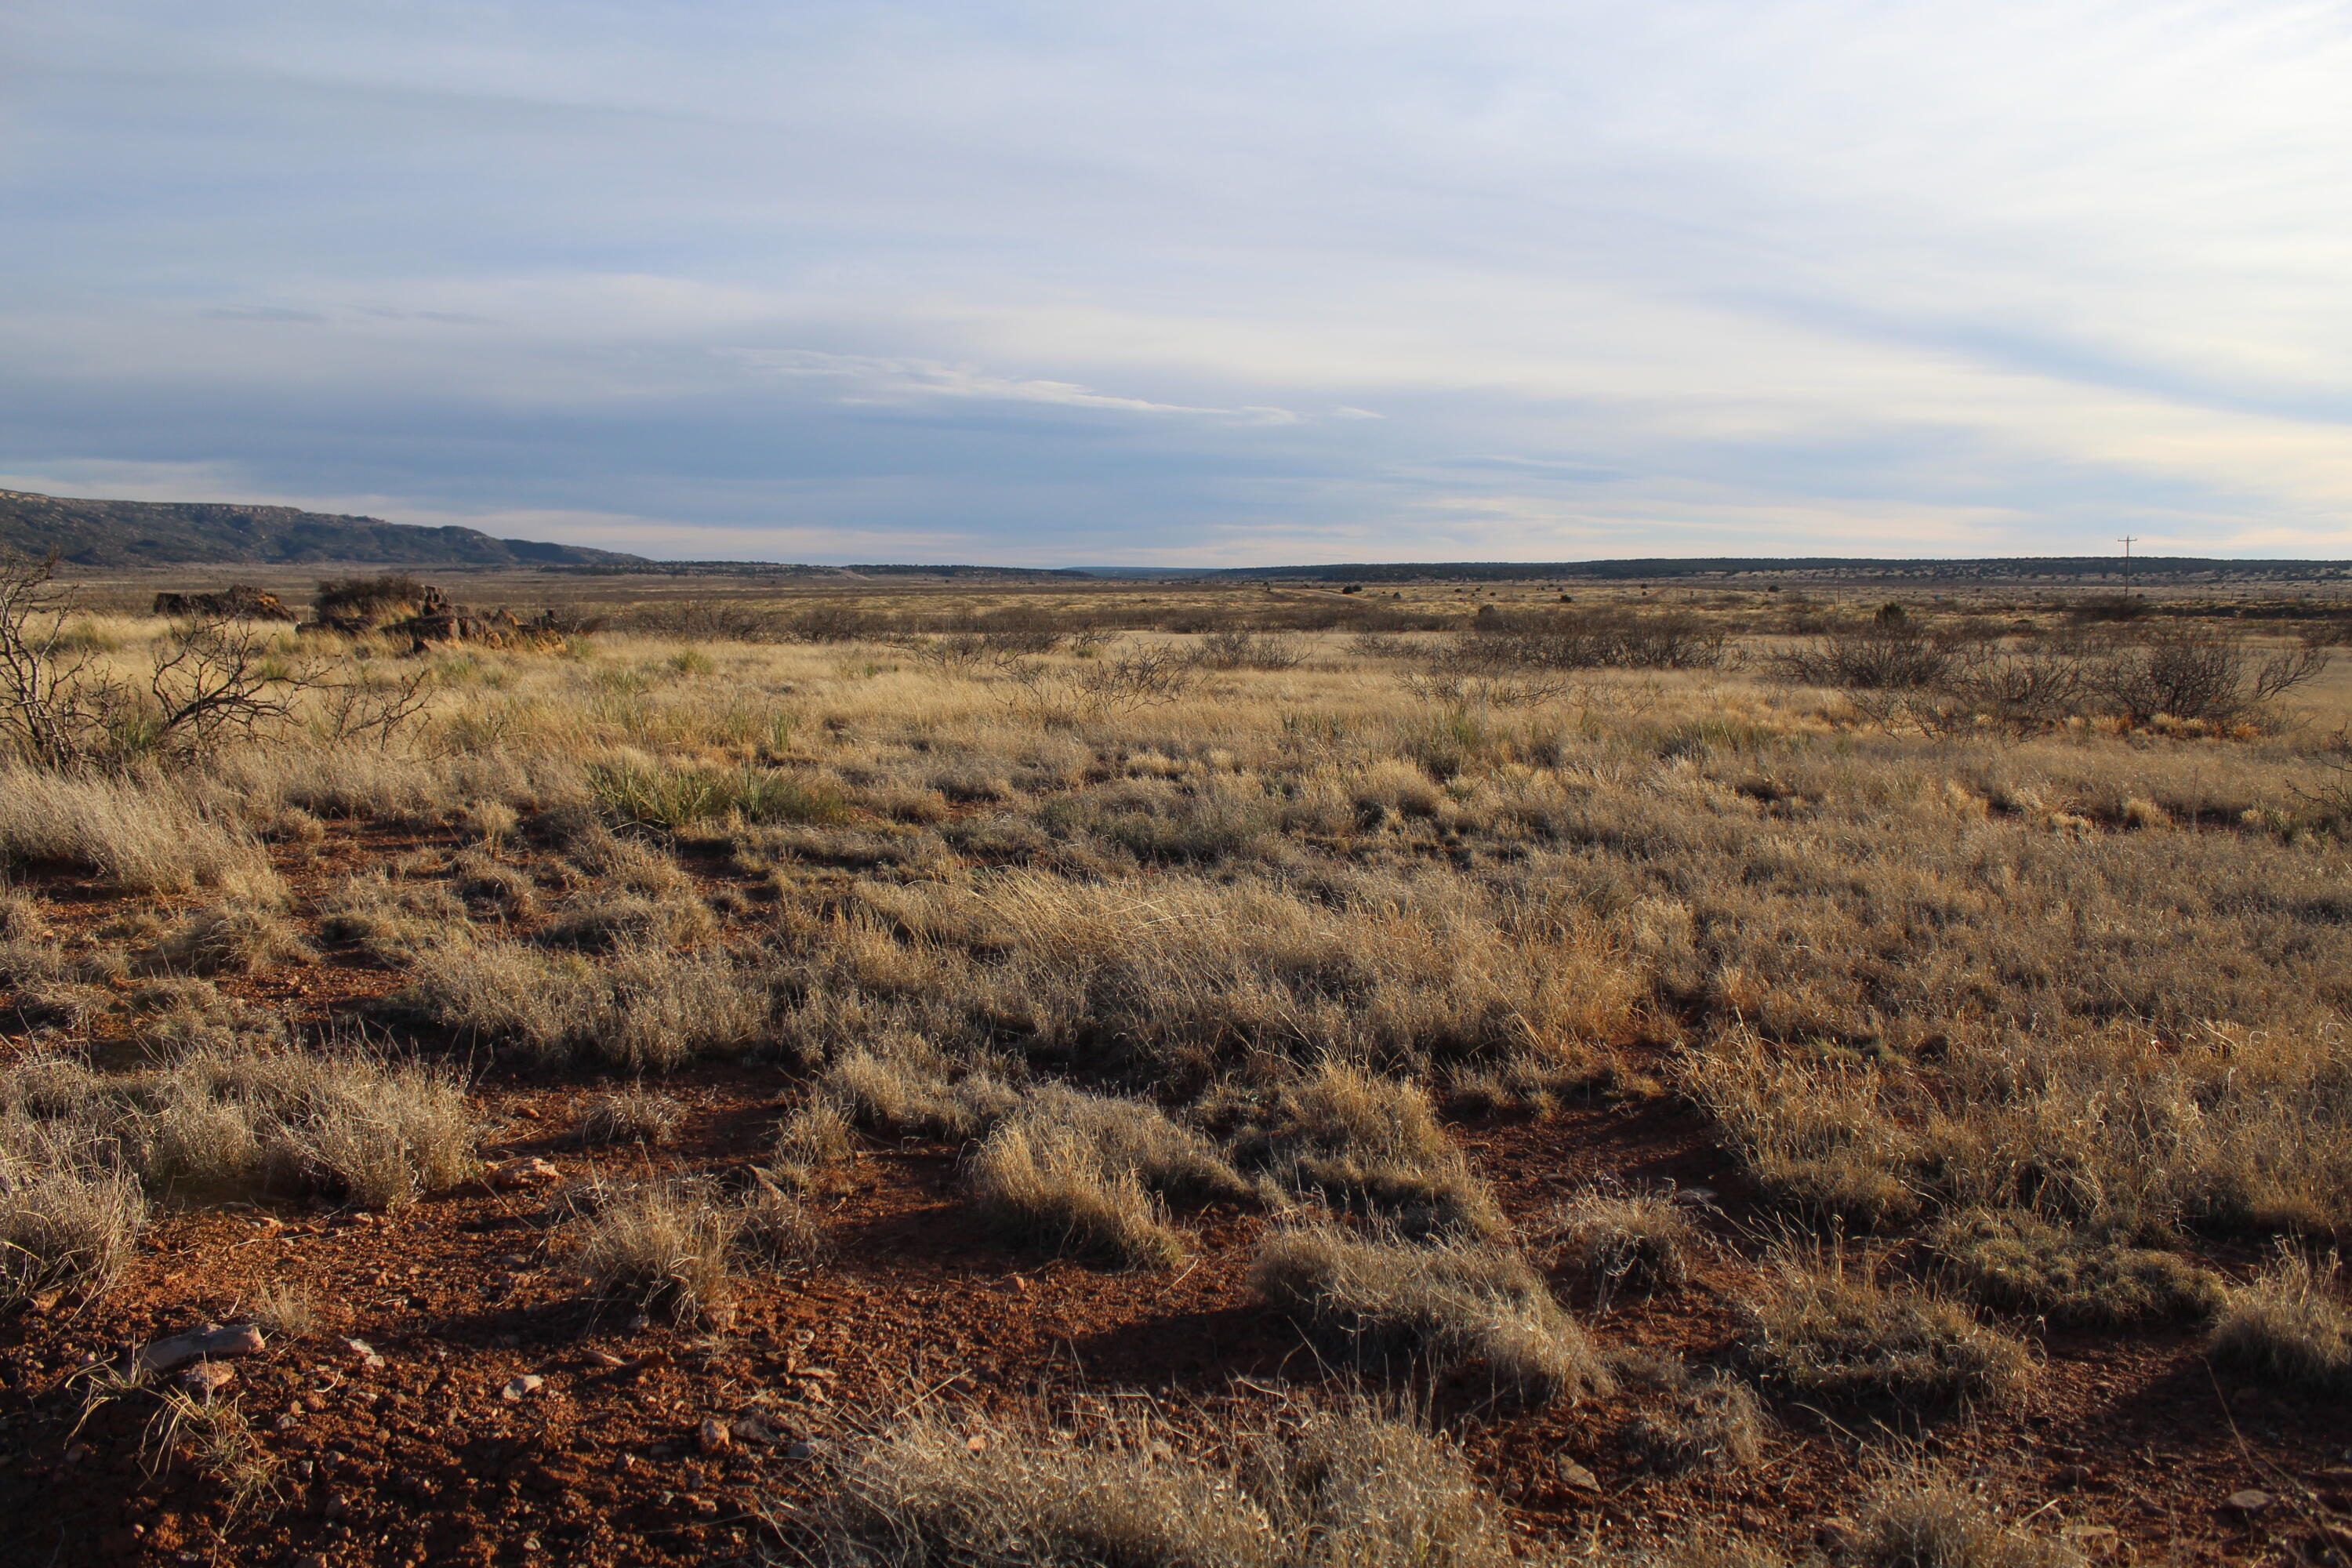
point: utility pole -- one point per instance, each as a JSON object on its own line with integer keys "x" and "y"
{"x": 2127, "y": 541}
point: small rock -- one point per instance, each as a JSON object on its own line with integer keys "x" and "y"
{"x": 76, "y": 1453}
{"x": 975, "y": 1444}
{"x": 2250, "y": 1501}
{"x": 211, "y": 1340}
{"x": 520, "y": 1388}
{"x": 207, "y": 1378}
{"x": 1575, "y": 1475}
{"x": 606, "y": 1360}
{"x": 714, "y": 1435}
{"x": 806, "y": 1448}
{"x": 751, "y": 1429}
{"x": 364, "y": 1353}
{"x": 513, "y": 1175}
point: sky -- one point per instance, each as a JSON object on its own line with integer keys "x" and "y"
{"x": 1194, "y": 283}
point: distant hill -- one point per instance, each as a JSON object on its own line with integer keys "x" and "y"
{"x": 160, "y": 533}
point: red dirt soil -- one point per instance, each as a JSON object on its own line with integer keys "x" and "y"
{"x": 2129, "y": 1445}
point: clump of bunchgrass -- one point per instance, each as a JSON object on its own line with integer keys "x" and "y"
{"x": 2018, "y": 1263}
{"x": 631, "y": 1115}
{"x": 2290, "y": 1324}
{"x": 1829, "y": 1332}
{"x": 1636, "y": 1241}
{"x": 1446, "y": 1304}
{"x": 1355, "y": 1139}
{"x": 663, "y": 1248}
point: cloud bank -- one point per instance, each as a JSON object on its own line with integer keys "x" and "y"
{"x": 1212, "y": 283}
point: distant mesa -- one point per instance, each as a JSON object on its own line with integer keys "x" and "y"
{"x": 162, "y": 533}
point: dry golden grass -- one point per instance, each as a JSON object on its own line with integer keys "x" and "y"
{"x": 2290, "y": 1325}
{"x": 1171, "y": 912}
{"x": 662, "y": 1249}
{"x": 1400, "y": 1303}
{"x": 1316, "y": 1489}
{"x": 1829, "y": 1333}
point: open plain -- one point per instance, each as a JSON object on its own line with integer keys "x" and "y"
{"x": 1170, "y": 1073}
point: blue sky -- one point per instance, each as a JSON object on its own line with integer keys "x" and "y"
{"x": 1194, "y": 283}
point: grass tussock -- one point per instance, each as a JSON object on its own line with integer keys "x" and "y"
{"x": 234, "y": 1117}
{"x": 139, "y": 834}
{"x": 1356, "y": 1139}
{"x": 1304, "y": 1492}
{"x": 2290, "y": 1325}
{"x": 229, "y": 939}
{"x": 1830, "y": 1334}
{"x": 1710, "y": 1422}
{"x": 632, "y": 1116}
{"x": 67, "y": 1220}
{"x": 906, "y": 1088}
{"x": 1399, "y": 1303}
{"x": 1094, "y": 1174}
{"x": 813, "y": 1140}
{"x": 1930, "y": 1522}
{"x": 663, "y": 1248}
{"x": 646, "y": 1010}
{"x": 2017, "y": 1263}
{"x": 1634, "y": 1241}
{"x": 1052, "y": 1185}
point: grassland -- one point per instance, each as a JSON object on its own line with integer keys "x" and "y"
{"x": 1171, "y": 1074}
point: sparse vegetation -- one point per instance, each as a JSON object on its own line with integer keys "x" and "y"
{"x": 1345, "y": 1487}
{"x": 2290, "y": 1325}
{"x": 663, "y": 1248}
{"x": 1398, "y": 1304}
{"x": 1985, "y": 960}
{"x": 2017, "y": 1263}
{"x": 1834, "y": 1335}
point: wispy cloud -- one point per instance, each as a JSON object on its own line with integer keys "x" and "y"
{"x": 863, "y": 378}
{"x": 1027, "y": 279}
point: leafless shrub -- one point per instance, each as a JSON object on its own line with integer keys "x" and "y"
{"x": 633, "y": 1116}
{"x": 1134, "y": 679}
{"x": 1884, "y": 656}
{"x": 1356, "y": 1139}
{"x": 2018, "y": 1263}
{"x": 1831, "y": 1334}
{"x": 2198, "y": 676}
{"x": 1236, "y": 649}
{"x": 662, "y": 1249}
{"x": 1638, "y": 1241}
{"x": 2290, "y": 1324}
{"x": 1586, "y": 639}
{"x": 1307, "y": 1492}
{"x": 1445, "y": 1304}
{"x": 1927, "y": 1522}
